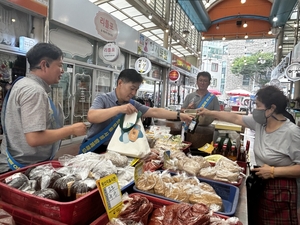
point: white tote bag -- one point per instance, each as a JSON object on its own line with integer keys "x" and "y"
{"x": 129, "y": 137}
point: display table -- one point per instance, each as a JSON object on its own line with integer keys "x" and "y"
{"x": 241, "y": 210}
{"x": 221, "y": 125}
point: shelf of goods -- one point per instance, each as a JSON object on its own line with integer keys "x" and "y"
{"x": 82, "y": 210}
{"x": 151, "y": 217}
{"x": 225, "y": 196}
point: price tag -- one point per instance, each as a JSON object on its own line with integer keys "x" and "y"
{"x": 167, "y": 155}
{"x": 134, "y": 161}
{"x": 111, "y": 195}
{"x": 208, "y": 148}
{"x": 138, "y": 170}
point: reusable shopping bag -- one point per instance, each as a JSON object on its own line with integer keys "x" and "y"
{"x": 129, "y": 137}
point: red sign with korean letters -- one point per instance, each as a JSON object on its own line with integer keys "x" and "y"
{"x": 174, "y": 75}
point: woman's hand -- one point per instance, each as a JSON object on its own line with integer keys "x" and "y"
{"x": 264, "y": 172}
{"x": 186, "y": 118}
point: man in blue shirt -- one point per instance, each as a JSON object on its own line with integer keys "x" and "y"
{"x": 107, "y": 106}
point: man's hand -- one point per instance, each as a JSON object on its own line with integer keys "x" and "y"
{"x": 203, "y": 111}
{"x": 79, "y": 129}
{"x": 127, "y": 109}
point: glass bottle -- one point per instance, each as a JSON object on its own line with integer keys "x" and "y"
{"x": 233, "y": 152}
{"x": 193, "y": 125}
{"x": 216, "y": 149}
{"x": 224, "y": 147}
{"x": 242, "y": 153}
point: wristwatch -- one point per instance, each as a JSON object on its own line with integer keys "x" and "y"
{"x": 178, "y": 115}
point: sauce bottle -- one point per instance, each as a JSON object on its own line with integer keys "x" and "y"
{"x": 193, "y": 125}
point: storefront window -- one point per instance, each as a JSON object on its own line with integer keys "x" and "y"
{"x": 74, "y": 46}
{"x": 11, "y": 31}
{"x": 102, "y": 82}
{"x": 61, "y": 93}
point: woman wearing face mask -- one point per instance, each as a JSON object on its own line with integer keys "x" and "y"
{"x": 277, "y": 153}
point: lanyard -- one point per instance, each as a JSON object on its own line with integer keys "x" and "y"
{"x": 98, "y": 139}
{"x": 57, "y": 125}
{"x": 12, "y": 163}
{"x": 206, "y": 100}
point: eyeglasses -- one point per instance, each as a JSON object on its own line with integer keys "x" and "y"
{"x": 203, "y": 81}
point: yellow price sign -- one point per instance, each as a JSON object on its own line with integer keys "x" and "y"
{"x": 167, "y": 157}
{"x": 138, "y": 170}
{"x": 111, "y": 195}
{"x": 134, "y": 161}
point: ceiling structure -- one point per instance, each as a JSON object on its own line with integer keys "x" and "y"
{"x": 181, "y": 25}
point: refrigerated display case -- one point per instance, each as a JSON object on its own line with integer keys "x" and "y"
{"x": 76, "y": 90}
{"x": 102, "y": 82}
{"x": 82, "y": 90}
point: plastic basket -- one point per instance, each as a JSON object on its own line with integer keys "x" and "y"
{"x": 228, "y": 193}
{"x": 239, "y": 182}
{"x": 157, "y": 203}
{"x": 80, "y": 211}
{"x": 24, "y": 217}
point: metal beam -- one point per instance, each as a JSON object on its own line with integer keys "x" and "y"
{"x": 282, "y": 9}
{"x": 145, "y": 9}
{"x": 197, "y": 13}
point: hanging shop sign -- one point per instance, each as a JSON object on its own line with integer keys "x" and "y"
{"x": 143, "y": 65}
{"x": 106, "y": 26}
{"x": 279, "y": 71}
{"x": 37, "y": 6}
{"x": 178, "y": 62}
{"x": 96, "y": 23}
{"x": 26, "y": 43}
{"x": 174, "y": 75}
{"x": 292, "y": 72}
{"x": 151, "y": 48}
{"x": 111, "y": 52}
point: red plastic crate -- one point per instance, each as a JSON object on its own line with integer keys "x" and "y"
{"x": 24, "y": 217}
{"x": 157, "y": 203}
{"x": 83, "y": 210}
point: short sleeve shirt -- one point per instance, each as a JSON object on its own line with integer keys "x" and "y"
{"x": 104, "y": 101}
{"x": 28, "y": 110}
{"x": 278, "y": 148}
{"x": 196, "y": 98}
